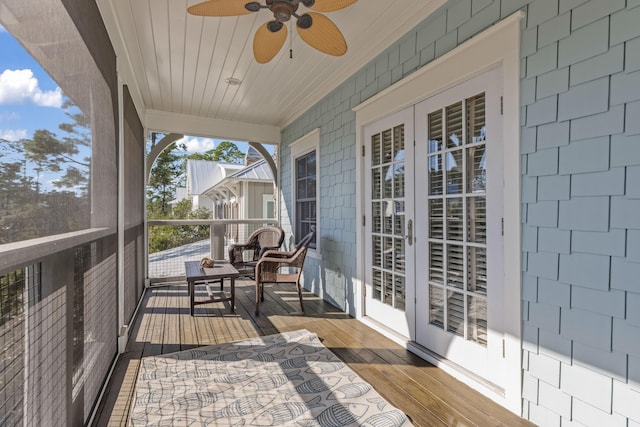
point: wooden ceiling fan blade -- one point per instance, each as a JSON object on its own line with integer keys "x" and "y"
{"x": 322, "y": 34}
{"x": 267, "y": 43}
{"x": 330, "y": 5}
{"x": 219, "y": 8}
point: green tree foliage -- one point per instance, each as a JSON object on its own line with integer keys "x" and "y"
{"x": 11, "y": 296}
{"x": 164, "y": 237}
{"x": 165, "y": 177}
{"x": 30, "y": 208}
{"x": 225, "y": 151}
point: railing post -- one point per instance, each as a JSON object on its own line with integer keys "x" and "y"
{"x": 217, "y": 240}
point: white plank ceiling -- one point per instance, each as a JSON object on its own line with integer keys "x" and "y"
{"x": 176, "y": 64}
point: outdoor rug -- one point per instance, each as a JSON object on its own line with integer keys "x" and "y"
{"x": 282, "y": 379}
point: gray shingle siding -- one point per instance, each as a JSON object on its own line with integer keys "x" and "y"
{"x": 580, "y": 193}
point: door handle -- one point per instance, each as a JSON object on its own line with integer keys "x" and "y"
{"x": 409, "y": 235}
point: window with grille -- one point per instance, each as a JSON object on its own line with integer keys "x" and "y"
{"x": 306, "y": 195}
{"x": 457, "y": 219}
{"x": 305, "y": 157}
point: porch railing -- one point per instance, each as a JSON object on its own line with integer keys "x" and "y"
{"x": 172, "y": 242}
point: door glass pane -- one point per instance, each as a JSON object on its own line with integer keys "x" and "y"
{"x": 454, "y": 125}
{"x": 398, "y": 180}
{"x": 398, "y": 255}
{"x": 398, "y": 143}
{"x": 477, "y": 270}
{"x": 477, "y": 320}
{"x": 399, "y": 296}
{"x": 376, "y": 149}
{"x": 376, "y": 184}
{"x": 435, "y": 174}
{"x": 398, "y": 226}
{"x": 435, "y": 131}
{"x": 387, "y": 217}
{"x": 387, "y": 296}
{"x": 476, "y": 128}
{"x": 377, "y": 284}
{"x": 377, "y": 251}
{"x": 453, "y": 163}
{"x": 436, "y": 306}
{"x": 455, "y": 266}
{"x": 477, "y": 219}
{"x": 476, "y": 169}
{"x": 436, "y": 218}
{"x": 436, "y": 263}
{"x": 387, "y": 253}
{"x": 376, "y": 217}
{"x": 455, "y": 313}
{"x": 387, "y": 191}
{"x": 387, "y": 146}
{"x": 454, "y": 218}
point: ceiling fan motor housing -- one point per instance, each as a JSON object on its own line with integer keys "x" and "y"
{"x": 283, "y": 9}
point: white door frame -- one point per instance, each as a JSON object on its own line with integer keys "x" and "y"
{"x": 498, "y": 46}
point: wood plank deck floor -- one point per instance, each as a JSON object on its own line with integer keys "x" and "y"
{"x": 428, "y": 395}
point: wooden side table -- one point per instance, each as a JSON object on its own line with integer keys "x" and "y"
{"x": 220, "y": 271}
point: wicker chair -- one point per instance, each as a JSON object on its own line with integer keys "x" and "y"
{"x": 268, "y": 269}
{"x": 244, "y": 257}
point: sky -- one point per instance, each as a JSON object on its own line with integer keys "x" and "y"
{"x": 31, "y": 100}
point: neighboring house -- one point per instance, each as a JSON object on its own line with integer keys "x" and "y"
{"x": 181, "y": 194}
{"x": 231, "y": 191}
{"x": 516, "y": 271}
{"x": 246, "y": 194}
{"x": 202, "y": 175}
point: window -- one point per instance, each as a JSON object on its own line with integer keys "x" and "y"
{"x": 305, "y": 194}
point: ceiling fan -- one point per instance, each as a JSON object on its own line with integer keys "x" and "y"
{"x": 314, "y": 28}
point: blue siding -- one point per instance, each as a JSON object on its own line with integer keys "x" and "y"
{"x": 580, "y": 146}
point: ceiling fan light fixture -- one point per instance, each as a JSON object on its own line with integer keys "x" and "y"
{"x": 253, "y": 6}
{"x": 274, "y": 26}
{"x": 308, "y": 3}
{"x": 305, "y": 21}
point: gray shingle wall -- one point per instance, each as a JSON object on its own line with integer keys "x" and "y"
{"x": 580, "y": 146}
{"x": 594, "y": 130}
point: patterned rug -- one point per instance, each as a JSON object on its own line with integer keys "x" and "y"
{"x": 283, "y": 379}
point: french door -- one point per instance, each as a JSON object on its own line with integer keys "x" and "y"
{"x": 389, "y": 221}
{"x": 434, "y": 271}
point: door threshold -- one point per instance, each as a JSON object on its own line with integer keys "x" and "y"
{"x": 466, "y": 376}
{"x": 476, "y": 382}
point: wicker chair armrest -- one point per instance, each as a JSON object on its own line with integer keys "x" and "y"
{"x": 271, "y": 253}
{"x": 275, "y": 260}
{"x": 241, "y": 246}
{"x": 266, "y": 249}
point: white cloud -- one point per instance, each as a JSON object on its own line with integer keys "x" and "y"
{"x": 197, "y": 145}
{"x": 13, "y": 134}
{"x": 20, "y": 86}
{"x": 2, "y": 29}
{"x": 9, "y": 116}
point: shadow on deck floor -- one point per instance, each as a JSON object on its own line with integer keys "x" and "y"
{"x": 428, "y": 395}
